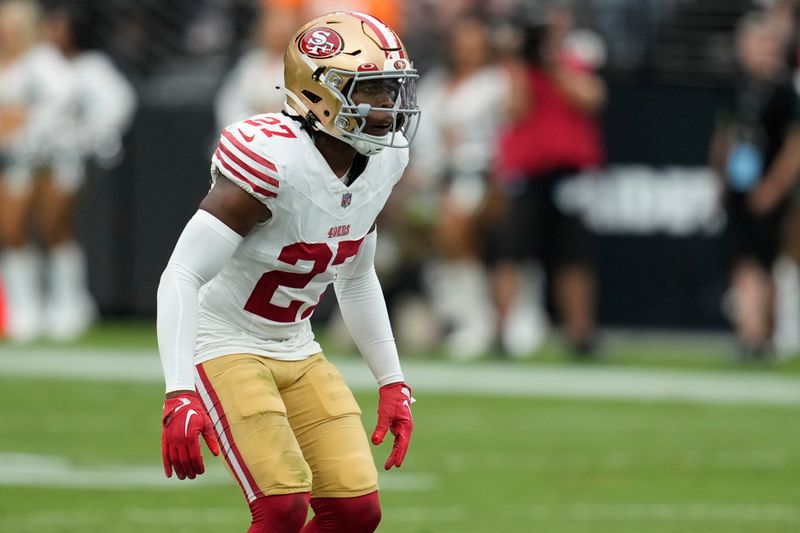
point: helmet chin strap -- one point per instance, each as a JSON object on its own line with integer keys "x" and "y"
{"x": 364, "y": 147}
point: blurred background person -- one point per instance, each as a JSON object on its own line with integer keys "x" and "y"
{"x": 785, "y": 15}
{"x": 101, "y": 107}
{"x": 35, "y": 85}
{"x": 465, "y": 99}
{"x": 253, "y": 86}
{"x": 390, "y": 12}
{"x": 554, "y": 135}
{"x": 756, "y": 149}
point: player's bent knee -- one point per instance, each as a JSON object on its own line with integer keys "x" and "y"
{"x": 353, "y": 475}
{"x": 361, "y": 514}
{"x": 365, "y": 511}
{"x": 284, "y": 472}
{"x": 284, "y": 513}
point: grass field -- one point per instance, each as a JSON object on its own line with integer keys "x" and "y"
{"x": 83, "y": 455}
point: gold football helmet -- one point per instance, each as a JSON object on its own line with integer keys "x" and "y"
{"x": 324, "y": 64}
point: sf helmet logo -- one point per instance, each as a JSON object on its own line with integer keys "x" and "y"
{"x": 320, "y": 43}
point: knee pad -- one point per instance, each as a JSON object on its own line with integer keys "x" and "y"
{"x": 284, "y": 513}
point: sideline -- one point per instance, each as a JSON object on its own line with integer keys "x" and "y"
{"x": 486, "y": 378}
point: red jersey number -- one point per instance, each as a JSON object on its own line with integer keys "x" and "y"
{"x": 271, "y": 126}
{"x": 260, "y": 301}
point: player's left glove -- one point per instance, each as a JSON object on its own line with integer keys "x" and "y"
{"x": 184, "y": 420}
{"x": 394, "y": 414}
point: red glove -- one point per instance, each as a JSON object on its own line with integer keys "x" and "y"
{"x": 394, "y": 413}
{"x": 185, "y": 417}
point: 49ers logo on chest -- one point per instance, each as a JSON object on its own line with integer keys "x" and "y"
{"x": 320, "y": 43}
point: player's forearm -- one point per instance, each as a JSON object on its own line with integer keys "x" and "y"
{"x": 176, "y": 326}
{"x": 366, "y": 317}
{"x": 203, "y": 248}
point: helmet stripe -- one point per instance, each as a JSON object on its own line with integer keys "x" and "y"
{"x": 387, "y": 37}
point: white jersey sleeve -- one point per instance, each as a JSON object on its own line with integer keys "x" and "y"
{"x": 205, "y": 245}
{"x": 247, "y": 163}
{"x": 262, "y": 299}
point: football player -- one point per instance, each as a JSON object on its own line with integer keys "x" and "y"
{"x": 292, "y": 209}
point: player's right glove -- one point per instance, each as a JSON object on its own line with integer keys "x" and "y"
{"x": 394, "y": 414}
{"x": 184, "y": 419}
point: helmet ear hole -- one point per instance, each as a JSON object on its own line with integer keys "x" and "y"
{"x": 314, "y": 98}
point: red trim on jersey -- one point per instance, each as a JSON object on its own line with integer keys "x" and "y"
{"x": 256, "y": 188}
{"x": 381, "y": 32}
{"x": 259, "y": 174}
{"x": 248, "y": 152}
{"x": 225, "y": 427}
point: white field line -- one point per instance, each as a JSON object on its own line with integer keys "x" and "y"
{"x": 28, "y": 470}
{"x": 484, "y": 378}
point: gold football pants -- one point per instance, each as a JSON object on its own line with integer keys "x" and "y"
{"x": 287, "y": 426}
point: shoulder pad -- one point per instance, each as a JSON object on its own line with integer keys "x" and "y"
{"x": 245, "y": 162}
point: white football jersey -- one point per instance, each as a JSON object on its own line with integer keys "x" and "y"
{"x": 261, "y": 301}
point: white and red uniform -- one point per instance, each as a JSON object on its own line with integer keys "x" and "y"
{"x": 233, "y": 312}
{"x": 261, "y": 301}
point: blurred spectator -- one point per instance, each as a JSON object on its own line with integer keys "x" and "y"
{"x": 464, "y": 101}
{"x": 101, "y": 107}
{"x": 34, "y": 97}
{"x": 756, "y": 149}
{"x": 786, "y": 271}
{"x": 782, "y": 16}
{"x": 555, "y": 135}
{"x": 390, "y": 12}
{"x": 254, "y": 84}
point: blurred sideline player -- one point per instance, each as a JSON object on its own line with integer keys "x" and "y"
{"x": 464, "y": 97}
{"x": 101, "y": 109}
{"x": 291, "y": 210}
{"x": 555, "y": 135}
{"x": 253, "y": 86}
{"x": 34, "y": 98}
{"x": 756, "y": 150}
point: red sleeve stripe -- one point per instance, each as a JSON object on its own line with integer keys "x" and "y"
{"x": 237, "y": 153}
{"x": 227, "y": 166}
{"x": 248, "y": 152}
{"x": 258, "y": 174}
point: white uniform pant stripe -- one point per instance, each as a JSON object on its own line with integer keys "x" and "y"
{"x": 227, "y": 447}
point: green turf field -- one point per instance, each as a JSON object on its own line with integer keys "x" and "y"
{"x": 84, "y": 456}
